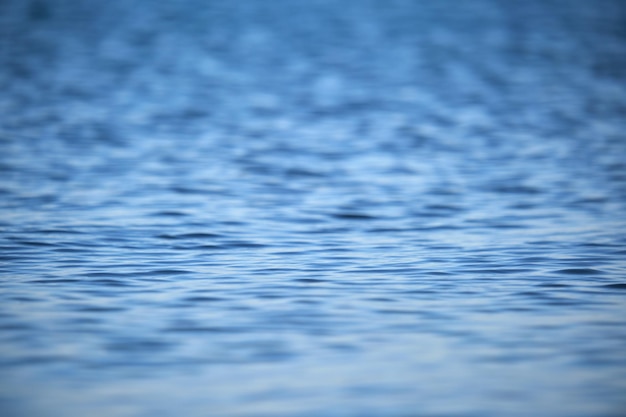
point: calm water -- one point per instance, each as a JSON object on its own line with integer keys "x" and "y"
{"x": 312, "y": 208}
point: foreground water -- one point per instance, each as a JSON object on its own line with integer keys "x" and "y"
{"x": 360, "y": 208}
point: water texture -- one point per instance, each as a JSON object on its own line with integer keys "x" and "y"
{"x": 312, "y": 208}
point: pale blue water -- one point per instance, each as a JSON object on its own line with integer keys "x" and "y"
{"x": 312, "y": 208}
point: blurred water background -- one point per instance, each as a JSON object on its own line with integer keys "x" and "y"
{"x": 358, "y": 208}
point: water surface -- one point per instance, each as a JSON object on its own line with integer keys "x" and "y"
{"x": 361, "y": 208}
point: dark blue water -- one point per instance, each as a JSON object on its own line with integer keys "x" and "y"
{"x": 312, "y": 208}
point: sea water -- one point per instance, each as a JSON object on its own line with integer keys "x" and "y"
{"x": 312, "y": 208}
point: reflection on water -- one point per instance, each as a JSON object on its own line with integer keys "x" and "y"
{"x": 358, "y": 208}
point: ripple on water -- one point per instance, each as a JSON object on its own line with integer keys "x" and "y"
{"x": 348, "y": 212}
{"x": 579, "y": 271}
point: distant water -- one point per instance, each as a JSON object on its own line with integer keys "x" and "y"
{"x": 312, "y": 208}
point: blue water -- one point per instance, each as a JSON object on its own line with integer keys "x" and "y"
{"x": 312, "y": 208}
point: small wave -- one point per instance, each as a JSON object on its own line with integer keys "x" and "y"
{"x": 579, "y": 271}
{"x": 616, "y": 286}
{"x": 194, "y": 235}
